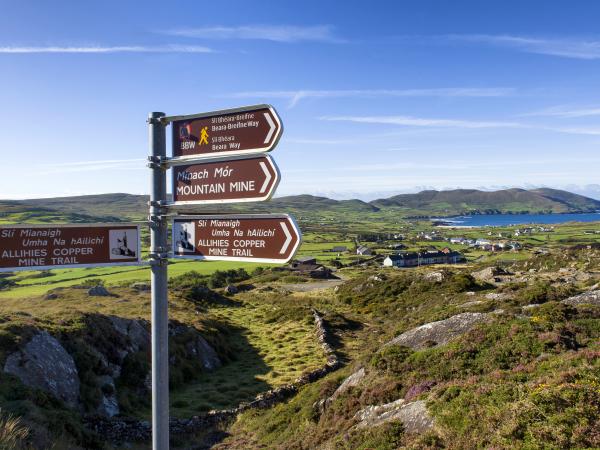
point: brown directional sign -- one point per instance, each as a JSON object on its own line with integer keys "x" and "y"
{"x": 35, "y": 247}
{"x": 260, "y": 238}
{"x": 242, "y": 179}
{"x": 250, "y": 129}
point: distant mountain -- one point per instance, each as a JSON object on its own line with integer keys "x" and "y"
{"x": 114, "y": 207}
{"x": 473, "y": 201}
{"x": 21, "y": 212}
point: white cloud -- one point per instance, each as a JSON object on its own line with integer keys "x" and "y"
{"x": 91, "y": 166}
{"x": 276, "y": 33}
{"x": 574, "y": 130}
{"x": 97, "y": 162}
{"x": 565, "y": 112}
{"x": 108, "y": 49}
{"x": 295, "y": 96}
{"x": 421, "y": 122}
{"x": 565, "y": 47}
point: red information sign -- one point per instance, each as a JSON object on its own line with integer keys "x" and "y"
{"x": 251, "y": 129}
{"x": 242, "y": 179}
{"x": 40, "y": 247}
{"x": 260, "y": 238}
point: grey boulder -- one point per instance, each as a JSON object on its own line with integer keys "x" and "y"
{"x": 44, "y": 364}
{"x": 440, "y": 332}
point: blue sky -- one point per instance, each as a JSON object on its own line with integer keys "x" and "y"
{"x": 376, "y": 98}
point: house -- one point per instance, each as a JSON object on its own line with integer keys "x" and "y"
{"x": 514, "y": 245}
{"x": 339, "y": 249}
{"x": 396, "y": 246}
{"x": 305, "y": 260}
{"x": 430, "y": 236}
{"x": 457, "y": 240}
{"x": 308, "y": 266}
{"x": 422, "y": 258}
{"x": 363, "y": 250}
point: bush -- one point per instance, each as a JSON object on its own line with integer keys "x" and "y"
{"x": 222, "y": 278}
{"x": 462, "y": 282}
{"x": 542, "y": 292}
{"x": 6, "y": 284}
{"x": 390, "y": 358}
{"x": 12, "y": 432}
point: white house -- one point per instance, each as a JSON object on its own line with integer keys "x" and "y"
{"x": 364, "y": 250}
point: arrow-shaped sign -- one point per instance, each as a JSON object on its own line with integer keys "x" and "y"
{"x": 260, "y": 238}
{"x": 251, "y": 129}
{"x": 234, "y": 179}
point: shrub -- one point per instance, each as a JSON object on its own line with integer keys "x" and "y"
{"x": 222, "y": 278}
{"x": 390, "y": 358}
{"x": 462, "y": 282}
{"x": 12, "y": 432}
{"x": 542, "y": 292}
{"x": 6, "y": 284}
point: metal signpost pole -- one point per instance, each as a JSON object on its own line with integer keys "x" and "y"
{"x": 158, "y": 261}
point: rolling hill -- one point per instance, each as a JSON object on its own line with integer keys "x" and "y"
{"x": 119, "y": 206}
{"x": 472, "y": 201}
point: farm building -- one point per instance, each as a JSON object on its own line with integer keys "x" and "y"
{"x": 308, "y": 266}
{"x": 363, "y": 250}
{"x": 339, "y": 249}
{"x": 414, "y": 259}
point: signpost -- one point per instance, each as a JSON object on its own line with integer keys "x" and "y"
{"x": 270, "y": 238}
{"x": 217, "y": 158}
{"x": 241, "y": 179}
{"x": 250, "y": 129}
{"x": 41, "y": 247}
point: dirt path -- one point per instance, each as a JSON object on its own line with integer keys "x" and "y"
{"x": 313, "y": 286}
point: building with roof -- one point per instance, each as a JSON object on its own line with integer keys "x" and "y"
{"x": 423, "y": 258}
{"x": 363, "y": 250}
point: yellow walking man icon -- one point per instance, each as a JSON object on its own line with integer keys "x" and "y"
{"x": 204, "y": 136}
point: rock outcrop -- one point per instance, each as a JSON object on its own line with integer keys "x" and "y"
{"x": 352, "y": 381}
{"x": 135, "y": 330}
{"x": 109, "y": 405}
{"x": 587, "y": 298}
{"x": 44, "y": 364}
{"x": 490, "y": 274}
{"x": 436, "y": 277}
{"x": 99, "y": 291}
{"x": 199, "y": 348}
{"x": 439, "y": 333}
{"x": 414, "y": 416}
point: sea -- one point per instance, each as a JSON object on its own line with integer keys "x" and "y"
{"x": 499, "y": 220}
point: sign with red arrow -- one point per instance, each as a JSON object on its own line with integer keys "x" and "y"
{"x": 251, "y": 129}
{"x": 269, "y": 238}
{"x": 237, "y": 179}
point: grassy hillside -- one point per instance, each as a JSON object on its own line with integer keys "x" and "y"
{"x": 471, "y": 201}
{"x": 23, "y": 212}
{"x": 523, "y": 367}
{"x": 525, "y": 378}
{"x": 121, "y": 206}
{"x": 112, "y": 207}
